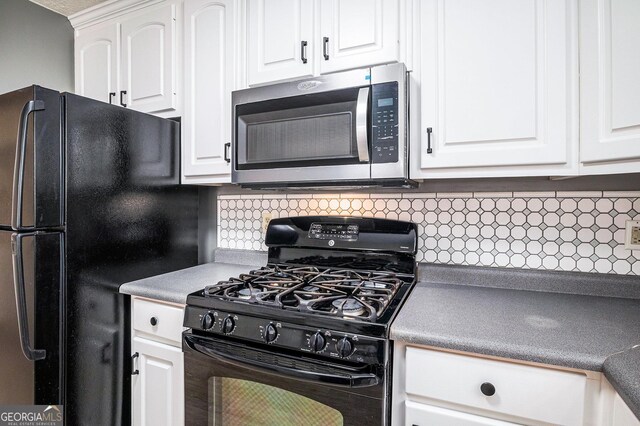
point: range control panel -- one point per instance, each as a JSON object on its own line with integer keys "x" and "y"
{"x": 327, "y": 343}
{"x": 384, "y": 125}
{"x": 331, "y": 231}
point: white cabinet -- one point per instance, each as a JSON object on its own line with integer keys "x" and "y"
{"x": 538, "y": 394}
{"x": 157, "y": 382}
{"x": 417, "y": 414}
{"x": 97, "y": 52}
{"x": 280, "y": 40}
{"x": 443, "y": 388}
{"x": 290, "y": 39}
{"x": 158, "y": 387}
{"x": 358, "y": 33}
{"x": 149, "y": 60}
{"x": 130, "y": 56}
{"x": 211, "y": 51}
{"x": 622, "y": 414}
{"x": 609, "y": 86}
{"x": 498, "y": 87}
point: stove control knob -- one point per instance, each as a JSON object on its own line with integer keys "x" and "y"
{"x": 344, "y": 347}
{"x": 208, "y": 321}
{"x": 317, "y": 342}
{"x": 228, "y": 325}
{"x": 270, "y": 333}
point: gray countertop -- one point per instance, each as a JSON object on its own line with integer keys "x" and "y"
{"x": 175, "y": 286}
{"x": 561, "y": 329}
{"x": 623, "y": 371}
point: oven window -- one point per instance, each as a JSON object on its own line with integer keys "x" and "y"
{"x": 238, "y": 402}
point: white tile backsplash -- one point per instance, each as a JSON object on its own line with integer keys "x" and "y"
{"x": 569, "y": 231}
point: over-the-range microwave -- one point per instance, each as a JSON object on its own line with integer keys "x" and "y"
{"x": 348, "y": 129}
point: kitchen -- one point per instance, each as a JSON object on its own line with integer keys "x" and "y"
{"x": 322, "y": 212}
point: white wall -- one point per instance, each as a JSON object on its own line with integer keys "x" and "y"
{"x": 36, "y": 47}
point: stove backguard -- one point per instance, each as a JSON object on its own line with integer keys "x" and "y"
{"x": 343, "y": 242}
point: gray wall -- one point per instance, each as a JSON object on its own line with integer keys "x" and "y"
{"x": 36, "y": 47}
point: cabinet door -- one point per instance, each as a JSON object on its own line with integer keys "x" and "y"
{"x": 277, "y": 32}
{"x": 498, "y": 87}
{"x": 157, "y": 390}
{"x": 609, "y": 84}
{"x": 622, "y": 414}
{"x": 357, "y": 33}
{"x": 96, "y": 62}
{"x": 149, "y": 68}
{"x": 209, "y": 80}
{"x": 423, "y": 415}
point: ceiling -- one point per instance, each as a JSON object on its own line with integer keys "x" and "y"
{"x": 67, "y": 7}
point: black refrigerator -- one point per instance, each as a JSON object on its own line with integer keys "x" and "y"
{"x": 89, "y": 199}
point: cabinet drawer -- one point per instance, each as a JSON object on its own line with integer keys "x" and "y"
{"x": 167, "y": 319}
{"x": 535, "y": 393}
{"x": 423, "y": 415}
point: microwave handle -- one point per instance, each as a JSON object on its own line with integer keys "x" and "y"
{"x": 362, "y": 139}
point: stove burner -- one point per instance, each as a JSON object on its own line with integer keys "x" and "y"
{"x": 349, "y": 306}
{"x": 342, "y": 293}
{"x": 246, "y": 293}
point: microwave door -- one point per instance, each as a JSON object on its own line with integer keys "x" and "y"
{"x": 322, "y": 136}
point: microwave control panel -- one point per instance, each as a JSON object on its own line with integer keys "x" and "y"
{"x": 384, "y": 125}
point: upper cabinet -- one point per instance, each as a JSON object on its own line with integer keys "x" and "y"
{"x": 212, "y": 44}
{"x": 290, "y": 39}
{"x": 149, "y": 62}
{"x": 280, "y": 40}
{"x": 358, "y": 33}
{"x": 498, "y": 89}
{"x": 131, "y": 60}
{"x": 609, "y": 86}
{"x": 97, "y": 53}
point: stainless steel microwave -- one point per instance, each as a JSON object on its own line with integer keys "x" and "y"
{"x": 345, "y": 129}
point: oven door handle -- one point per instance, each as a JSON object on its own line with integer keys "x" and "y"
{"x": 362, "y": 139}
{"x": 340, "y": 380}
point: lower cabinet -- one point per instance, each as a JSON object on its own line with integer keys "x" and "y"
{"x": 157, "y": 381}
{"x": 437, "y": 387}
{"x": 622, "y": 414}
{"x": 158, "y": 389}
{"x": 417, "y": 414}
{"x": 433, "y": 387}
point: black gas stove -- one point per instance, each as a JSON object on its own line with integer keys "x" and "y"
{"x": 328, "y": 294}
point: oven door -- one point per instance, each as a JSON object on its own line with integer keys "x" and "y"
{"x": 233, "y": 384}
{"x": 311, "y": 137}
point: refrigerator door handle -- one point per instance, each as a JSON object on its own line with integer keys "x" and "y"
{"x": 18, "y": 169}
{"x": 21, "y": 299}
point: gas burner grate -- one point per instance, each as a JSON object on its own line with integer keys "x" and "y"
{"x": 335, "y": 292}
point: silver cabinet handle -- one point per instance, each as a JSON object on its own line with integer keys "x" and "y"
{"x": 303, "y": 51}
{"x": 134, "y": 369}
{"x": 18, "y": 168}
{"x": 325, "y": 48}
{"x": 21, "y": 298}
{"x": 362, "y": 138}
